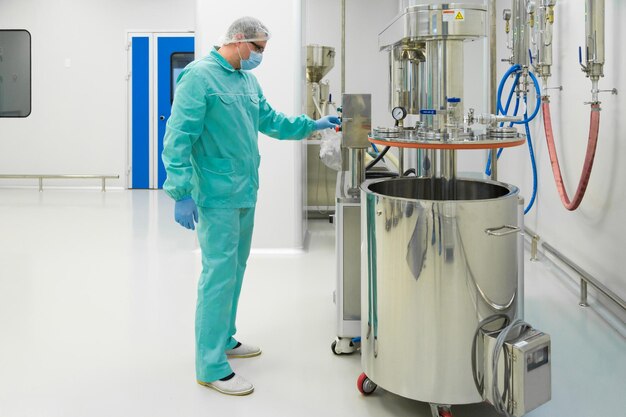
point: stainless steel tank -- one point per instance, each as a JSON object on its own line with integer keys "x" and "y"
{"x": 438, "y": 258}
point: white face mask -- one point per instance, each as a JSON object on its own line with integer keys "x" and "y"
{"x": 253, "y": 61}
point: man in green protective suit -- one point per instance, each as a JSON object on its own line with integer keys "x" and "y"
{"x": 211, "y": 156}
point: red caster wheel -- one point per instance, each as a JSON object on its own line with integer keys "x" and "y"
{"x": 438, "y": 410}
{"x": 365, "y": 385}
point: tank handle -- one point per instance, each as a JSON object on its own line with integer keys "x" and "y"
{"x": 507, "y": 229}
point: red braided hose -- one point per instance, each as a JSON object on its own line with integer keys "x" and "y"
{"x": 594, "y": 127}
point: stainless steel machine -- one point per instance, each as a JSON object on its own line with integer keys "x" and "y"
{"x": 320, "y": 178}
{"x": 441, "y": 276}
{"x": 356, "y": 126}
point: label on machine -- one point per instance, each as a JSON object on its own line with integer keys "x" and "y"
{"x": 428, "y": 111}
{"x": 453, "y": 15}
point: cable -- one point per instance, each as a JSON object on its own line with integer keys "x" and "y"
{"x": 378, "y": 158}
{"x": 499, "y": 402}
{"x": 483, "y": 323}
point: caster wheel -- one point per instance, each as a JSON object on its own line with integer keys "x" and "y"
{"x": 439, "y": 410}
{"x": 365, "y": 385}
{"x": 343, "y": 345}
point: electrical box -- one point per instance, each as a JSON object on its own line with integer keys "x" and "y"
{"x": 524, "y": 371}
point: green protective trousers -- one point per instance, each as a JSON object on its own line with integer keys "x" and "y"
{"x": 225, "y": 236}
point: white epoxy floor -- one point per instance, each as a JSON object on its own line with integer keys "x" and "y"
{"x": 97, "y": 301}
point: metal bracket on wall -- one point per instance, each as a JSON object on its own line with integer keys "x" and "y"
{"x": 586, "y": 279}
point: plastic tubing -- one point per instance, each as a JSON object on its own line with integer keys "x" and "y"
{"x": 592, "y": 141}
{"x": 510, "y": 71}
{"x": 537, "y": 91}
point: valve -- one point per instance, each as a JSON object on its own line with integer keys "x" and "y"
{"x": 531, "y": 13}
{"x": 506, "y": 15}
{"x": 550, "y": 14}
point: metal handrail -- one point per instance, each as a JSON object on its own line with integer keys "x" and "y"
{"x": 64, "y": 176}
{"x": 585, "y": 278}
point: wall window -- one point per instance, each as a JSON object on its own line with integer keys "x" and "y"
{"x": 15, "y": 73}
{"x": 179, "y": 61}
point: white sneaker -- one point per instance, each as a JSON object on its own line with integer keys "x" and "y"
{"x": 234, "y": 386}
{"x": 243, "y": 351}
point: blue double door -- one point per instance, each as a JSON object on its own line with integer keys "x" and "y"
{"x": 156, "y": 60}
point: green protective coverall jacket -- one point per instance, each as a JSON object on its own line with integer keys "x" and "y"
{"x": 211, "y": 153}
{"x": 210, "y": 146}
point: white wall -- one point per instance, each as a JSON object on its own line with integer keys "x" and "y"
{"x": 78, "y": 123}
{"x": 279, "y": 209}
{"x": 594, "y": 236}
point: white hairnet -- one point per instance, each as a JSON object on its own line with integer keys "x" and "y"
{"x": 246, "y": 29}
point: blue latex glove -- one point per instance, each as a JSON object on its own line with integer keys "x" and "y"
{"x": 186, "y": 213}
{"x": 327, "y": 122}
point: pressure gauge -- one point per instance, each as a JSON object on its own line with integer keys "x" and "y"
{"x": 398, "y": 113}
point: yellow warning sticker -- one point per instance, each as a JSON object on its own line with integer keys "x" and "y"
{"x": 453, "y": 15}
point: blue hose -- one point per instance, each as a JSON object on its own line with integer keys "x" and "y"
{"x": 517, "y": 70}
{"x": 532, "y": 162}
{"x": 510, "y": 71}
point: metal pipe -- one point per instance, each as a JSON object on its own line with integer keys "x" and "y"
{"x": 448, "y": 164}
{"x": 520, "y": 33}
{"x": 494, "y": 164}
{"x": 400, "y": 161}
{"x": 40, "y": 178}
{"x": 357, "y": 170}
{"x": 520, "y": 258}
{"x": 583, "y": 293}
{"x": 343, "y": 46}
{"x": 594, "y": 37}
{"x": 586, "y": 277}
{"x": 545, "y": 20}
{"x": 493, "y": 79}
{"x": 533, "y": 248}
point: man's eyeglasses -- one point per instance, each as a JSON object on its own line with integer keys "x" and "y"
{"x": 257, "y": 48}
